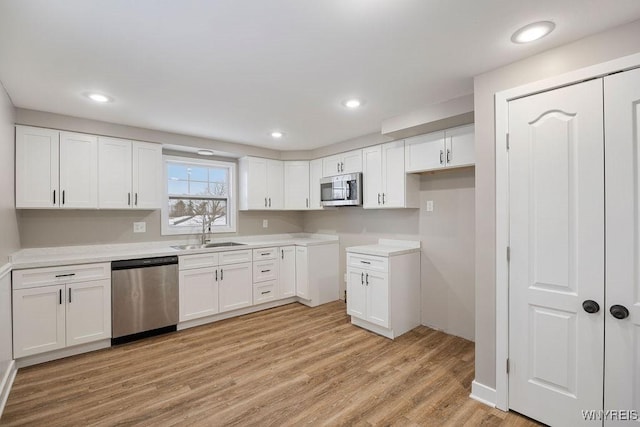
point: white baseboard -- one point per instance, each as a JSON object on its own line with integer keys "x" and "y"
{"x": 61, "y": 353}
{"x": 7, "y": 382}
{"x": 483, "y": 394}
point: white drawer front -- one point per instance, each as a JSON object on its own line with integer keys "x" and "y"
{"x": 34, "y": 277}
{"x": 265, "y": 253}
{"x": 234, "y": 257}
{"x": 368, "y": 262}
{"x": 265, "y": 292}
{"x": 187, "y": 262}
{"x": 265, "y": 270}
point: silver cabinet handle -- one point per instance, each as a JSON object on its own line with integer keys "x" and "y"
{"x": 448, "y": 156}
{"x": 338, "y": 167}
{"x": 63, "y": 197}
{"x": 69, "y": 295}
{"x": 265, "y": 292}
{"x": 269, "y": 201}
{"x": 60, "y": 296}
{"x": 66, "y": 275}
{"x": 383, "y": 202}
{"x": 265, "y": 202}
{"x": 136, "y": 199}
{"x": 441, "y": 154}
{"x": 365, "y": 262}
{"x": 282, "y": 250}
{"x": 362, "y": 278}
{"x": 54, "y": 197}
{"x": 128, "y": 199}
{"x": 341, "y": 166}
{"x": 264, "y": 253}
{"x": 265, "y": 271}
{"x": 307, "y": 202}
{"x": 378, "y": 198}
{"x": 367, "y": 279}
{"x": 221, "y": 274}
{"x": 216, "y": 275}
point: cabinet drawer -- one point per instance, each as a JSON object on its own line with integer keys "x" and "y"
{"x": 234, "y": 257}
{"x": 265, "y": 253}
{"x": 264, "y": 292}
{"x": 187, "y": 262}
{"x": 368, "y": 262}
{"x": 34, "y": 277}
{"x": 265, "y": 270}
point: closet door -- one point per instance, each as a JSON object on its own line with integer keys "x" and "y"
{"x": 556, "y": 198}
{"x": 622, "y": 154}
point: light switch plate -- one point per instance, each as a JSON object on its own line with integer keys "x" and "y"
{"x": 139, "y": 227}
{"x": 265, "y": 223}
{"x": 429, "y": 205}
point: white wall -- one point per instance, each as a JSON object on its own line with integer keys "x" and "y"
{"x": 614, "y": 43}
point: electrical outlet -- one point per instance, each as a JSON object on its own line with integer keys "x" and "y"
{"x": 265, "y": 223}
{"x": 429, "y": 205}
{"x": 139, "y": 227}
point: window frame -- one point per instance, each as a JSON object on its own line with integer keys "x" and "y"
{"x": 232, "y": 213}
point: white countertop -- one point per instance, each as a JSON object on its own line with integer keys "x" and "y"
{"x": 387, "y": 247}
{"x": 67, "y": 255}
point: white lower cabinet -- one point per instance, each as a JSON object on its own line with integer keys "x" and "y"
{"x": 383, "y": 293}
{"x": 198, "y": 293}
{"x": 52, "y": 309}
{"x": 235, "y": 286}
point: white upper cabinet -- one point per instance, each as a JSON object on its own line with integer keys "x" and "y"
{"x": 296, "y": 185}
{"x": 37, "y": 164}
{"x": 261, "y": 184}
{"x": 130, "y": 174}
{"x": 385, "y": 183}
{"x": 315, "y": 174}
{"x": 349, "y": 162}
{"x": 78, "y": 171}
{"x": 446, "y": 149}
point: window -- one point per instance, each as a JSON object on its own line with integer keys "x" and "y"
{"x": 199, "y": 196}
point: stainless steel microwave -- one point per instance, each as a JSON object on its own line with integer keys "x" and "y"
{"x": 341, "y": 190}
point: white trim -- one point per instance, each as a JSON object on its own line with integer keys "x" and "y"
{"x": 232, "y": 212}
{"x": 5, "y": 385}
{"x": 63, "y": 352}
{"x": 4, "y": 270}
{"x": 502, "y": 198}
{"x": 483, "y": 394}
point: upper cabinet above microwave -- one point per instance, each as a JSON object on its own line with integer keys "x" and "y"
{"x": 343, "y": 163}
{"x": 445, "y": 149}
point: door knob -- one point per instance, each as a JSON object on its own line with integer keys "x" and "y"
{"x": 590, "y": 306}
{"x": 619, "y": 311}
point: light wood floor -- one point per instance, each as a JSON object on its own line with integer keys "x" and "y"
{"x": 292, "y": 365}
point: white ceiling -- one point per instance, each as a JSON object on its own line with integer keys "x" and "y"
{"x": 237, "y": 69}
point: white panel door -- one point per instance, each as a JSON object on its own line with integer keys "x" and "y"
{"x": 275, "y": 184}
{"x": 78, "y": 171}
{"x": 296, "y": 185}
{"x": 235, "y": 286}
{"x": 356, "y": 293}
{"x": 393, "y": 175}
{"x": 88, "y": 311}
{"x": 372, "y": 187}
{"x": 460, "y": 147}
{"x": 287, "y": 258}
{"x": 302, "y": 273}
{"x": 147, "y": 175}
{"x": 556, "y": 200}
{"x": 377, "y": 285}
{"x": 256, "y": 183}
{"x": 37, "y": 167}
{"x": 331, "y": 165}
{"x": 198, "y": 293}
{"x": 424, "y": 152}
{"x": 622, "y": 154}
{"x": 351, "y": 162}
{"x": 38, "y": 320}
{"x": 114, "y": 173}
{"x": 315, "y": 174}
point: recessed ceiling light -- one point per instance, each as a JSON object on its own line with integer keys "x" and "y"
{"x": 98, "y": 97}
{"x": 532, "y": 32}
{"x": 276, "y": 134}
{"x": 205, "y": 152}
{"x": 352, "y": 103}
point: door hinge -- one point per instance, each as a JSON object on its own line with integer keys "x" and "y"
{"x": 507, "y": 366}
{"x": 507, "y": 141}
{"x": 508, "y": 253}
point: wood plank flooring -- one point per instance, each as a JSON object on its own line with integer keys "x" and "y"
{"x": 291, "y": 365}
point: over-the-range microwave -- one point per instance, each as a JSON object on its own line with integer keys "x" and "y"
{"x": 341, "y": 190}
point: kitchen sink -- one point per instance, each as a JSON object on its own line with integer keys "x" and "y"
{"x": 208, "y": 245}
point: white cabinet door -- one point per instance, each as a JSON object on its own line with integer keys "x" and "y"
{"x": 302, "y": 273}
{"x": 315, "y": 174}
{"x": 377, "y": 285}
{"x": 331, "y": 165}
{"x": 296, "y": 185}
{"x": 356, "y": 293}
{"x": 372, "y": 177}
{"x": 425, "y": 152}
{"x": 393, "y": 175}
{"x": 235, "y": 286}
{"x": 88, "y": 311}
{"x": 147, "y": 175}
{"x": 38, "y": 320}
{"x": 78, "y": 170}
{"x": 287, "y": 258}
{"x": 253, "y": 183}
{"x": 198, "y": 293}
{"x": 114, "y": 173}
{"x": 275, "y": 184}
{"x": 460, "y": 147}
{"x": 352, "y": 162}
{"x": 37, "y": 167}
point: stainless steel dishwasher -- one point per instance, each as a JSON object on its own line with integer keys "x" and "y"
{"x": 144, "y": 298}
